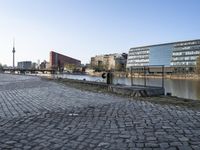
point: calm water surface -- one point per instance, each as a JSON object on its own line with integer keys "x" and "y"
{"x": 189, "y": 89}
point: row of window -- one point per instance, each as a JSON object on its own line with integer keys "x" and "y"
{"x": 187, "y": 43}
{"x": 184, "y": 58}
{"x": 139, "y": 53}
{"x": 138, "y": 60}
{"x": 186, "y": 53}
{"x": 138, "y": 49}
{"x": 195, "y": 47}
{"x": 183, "y": 63}
{"x": 138, "y": 64}
{"x": 139, "y": 57}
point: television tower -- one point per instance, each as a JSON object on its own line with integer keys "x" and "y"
{"x": 13, "y": 51}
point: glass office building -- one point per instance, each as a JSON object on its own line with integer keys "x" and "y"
{"x": 176, "y": 55}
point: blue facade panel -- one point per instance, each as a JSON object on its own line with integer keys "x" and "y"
{"x": 161, "y": 55}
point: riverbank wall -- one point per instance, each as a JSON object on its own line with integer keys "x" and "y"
{"x": 154, "y": 76}
{"x": 124, "y": 90}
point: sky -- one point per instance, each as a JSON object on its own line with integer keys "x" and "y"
{"x": 84, "y": 28}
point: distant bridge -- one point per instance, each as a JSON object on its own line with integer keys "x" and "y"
{"x": 52, "y": 71}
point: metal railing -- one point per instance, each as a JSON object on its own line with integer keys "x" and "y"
{"x": 147, "y": 72}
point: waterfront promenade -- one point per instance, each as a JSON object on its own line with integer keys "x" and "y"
{"x": 39, "y": 114}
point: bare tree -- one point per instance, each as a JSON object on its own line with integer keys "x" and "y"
{"x": 1, "y": 67}
{"x": 198, "y": 65}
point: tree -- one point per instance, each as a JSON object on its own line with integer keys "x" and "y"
{"x": 1, "y": 67}
{"x": 198, "y": 65}
{"x": 69, "y": 67}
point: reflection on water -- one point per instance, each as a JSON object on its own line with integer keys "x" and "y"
{"x": 182, "y": 88}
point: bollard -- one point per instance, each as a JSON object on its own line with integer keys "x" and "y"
{"x": 169, "y": 94}
{"x": 109, "y": 78}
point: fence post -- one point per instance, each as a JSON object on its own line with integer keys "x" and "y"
{"x": 145, "y": 82}
{"x": 163, "y": 76}
{"x": 131, "y": 76}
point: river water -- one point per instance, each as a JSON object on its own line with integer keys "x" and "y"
{"x": 189, "y": 89}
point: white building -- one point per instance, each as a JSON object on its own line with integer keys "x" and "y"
{"x": 24, "y": 65}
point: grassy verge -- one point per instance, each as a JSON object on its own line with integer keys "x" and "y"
{"x": 176, "y": 101}
{"x": 163, "y": 100}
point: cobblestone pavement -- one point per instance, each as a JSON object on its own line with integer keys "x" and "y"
{"x": 37, "y": 114}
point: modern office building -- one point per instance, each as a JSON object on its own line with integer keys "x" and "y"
{"x": 175, "y": 55}
{"x": 59, "y": 60}
{"x": 24, "y": 65}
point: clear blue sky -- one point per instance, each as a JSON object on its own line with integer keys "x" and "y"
{"x": 85, "y": 28}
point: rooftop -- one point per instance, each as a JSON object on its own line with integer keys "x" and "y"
{"x": 166, "y": 43}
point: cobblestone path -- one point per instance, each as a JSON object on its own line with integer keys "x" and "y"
{"x": 36, "y": 114}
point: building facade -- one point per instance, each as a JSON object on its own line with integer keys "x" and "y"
{"x": 44, "y": 65}
{"x": 176, "y": 55}
{"x": 59, "y": 61}
{"x": 24, "y": 65}
{"x": 120, "y": 62}
{"x": 109, "y": 62}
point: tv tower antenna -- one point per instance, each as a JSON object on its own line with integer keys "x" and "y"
{"x": 13, "y": 51}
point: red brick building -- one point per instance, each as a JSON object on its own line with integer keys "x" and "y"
{"x": 59, "y": 61}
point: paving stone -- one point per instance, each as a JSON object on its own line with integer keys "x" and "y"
{"x": 151, "y": 139}
{"x": 139, "y": 145}
{"x": 151, "y": 145}
{"x": 184, "y": 148}
{"x": 38, "y": 114}
{"x": 164, "y": 145}
{"x": 183, "y": 139}
{"x": 10, "y": 142}
{"x": 176, "y": 144}
{"x": 124, "y": 136}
